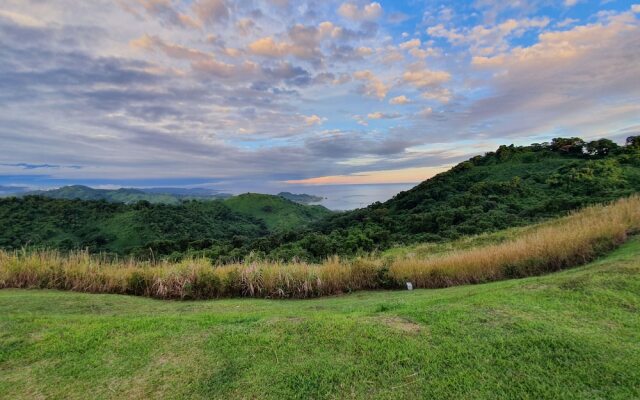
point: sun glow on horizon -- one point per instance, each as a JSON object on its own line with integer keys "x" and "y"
{"x": 407, "y": 175}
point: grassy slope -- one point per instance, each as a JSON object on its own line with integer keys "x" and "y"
{"x": 275, "y": 211}
{"x": 428, "y": 249}
{"x": 573, "y": 334}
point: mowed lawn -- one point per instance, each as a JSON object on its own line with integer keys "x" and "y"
{"x": 574, "y": 334}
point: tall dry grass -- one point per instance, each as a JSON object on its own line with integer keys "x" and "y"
{"x": 569, "y": 241}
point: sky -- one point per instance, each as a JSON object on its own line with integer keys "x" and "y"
{"x": 277, "y": 94}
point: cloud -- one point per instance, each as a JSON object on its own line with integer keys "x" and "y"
{"x": 211, "y": 11}
{"x": 400, "y": 100}
{"x": 148, "y": 42}
{"x": 369, "y": 12}
{"x": 160, "y": 9}
{"x": 492, "y": 10}
{"x": 565, "y": 76}
{"x": 361, "y": 120}
{"x": 449, "y": 34}
{"x": 425, "y": 112}
{"x": 237, "y": 91}
{"x": 397, "y": 17}
{"x": 485, "y": 40}
{"x": 423, "y": 53}
{"x": 423, "y": 78}
{"x": 268, "y": 47}
{"x": 440, "y": 94}
{"x": 364, "y": 51}
{"x": 37, "y": 166}
{"x": 391, "y": 55}
{"x": 373, "y": 86}
{"x": 328, "y": 29}
{"x": 410, "y": 44}
{"x": 245, "y": 26}
{"x": 223, "y": 70}
{"x": 313, "y": 120}
{"x": 200, "y": 61}
{"x": 566, "y": 22}
{"x": 382, "y": 115}
{"x": 22, "y": 19}
{"x": 554, "y": 47}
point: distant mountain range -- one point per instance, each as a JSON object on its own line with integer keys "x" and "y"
{"x": 157, "y": 195}
{"x": 12, "y": 190}
{"x": 129, "y": 195}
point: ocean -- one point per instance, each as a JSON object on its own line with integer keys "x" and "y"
{"x": 349, "y": 197}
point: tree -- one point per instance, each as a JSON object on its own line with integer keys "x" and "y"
{"x": 601, "y": 148}
{"x": 633, "y": 141}
{"x": 572, "y": 145}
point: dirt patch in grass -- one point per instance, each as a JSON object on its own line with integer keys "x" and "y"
{"x": 576, "y": 284}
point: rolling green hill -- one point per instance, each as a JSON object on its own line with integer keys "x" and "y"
{"x": 144, "y": 229}
{"x": 567, "y": 335}
{"x": 277, "y": 212}
{"x": 120, "y": 228}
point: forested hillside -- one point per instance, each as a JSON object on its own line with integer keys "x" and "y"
{"x": 147, "y": 230}
{"x": 277, "y": 212}
{"x": 513, "y": 186}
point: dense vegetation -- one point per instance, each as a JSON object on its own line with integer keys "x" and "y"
{"x": 550, "y": 246}
{"x": 568, "y": 335}
{"x": 513, "y": 186}
{"x": 277, "y": 212}
{"x": 147, "y": 230}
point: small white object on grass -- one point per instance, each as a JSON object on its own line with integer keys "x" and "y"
{"x": 409, "y": 286}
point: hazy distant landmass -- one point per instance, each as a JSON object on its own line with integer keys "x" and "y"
{"x": 301, "y": 198}
{"x": 12, "y": 190}
{"x": 336, "y": 197}
{"x": 130, "y": 195}
{"x": 188, "y": 192}
{"x": 156, "y": 195}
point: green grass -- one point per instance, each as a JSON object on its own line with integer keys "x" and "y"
{"x": 573, "y": 334}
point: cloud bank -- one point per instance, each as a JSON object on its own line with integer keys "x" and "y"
{"x": 302, "y": 92}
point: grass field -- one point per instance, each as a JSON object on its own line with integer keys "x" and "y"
{"x": 573, "y": 335}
